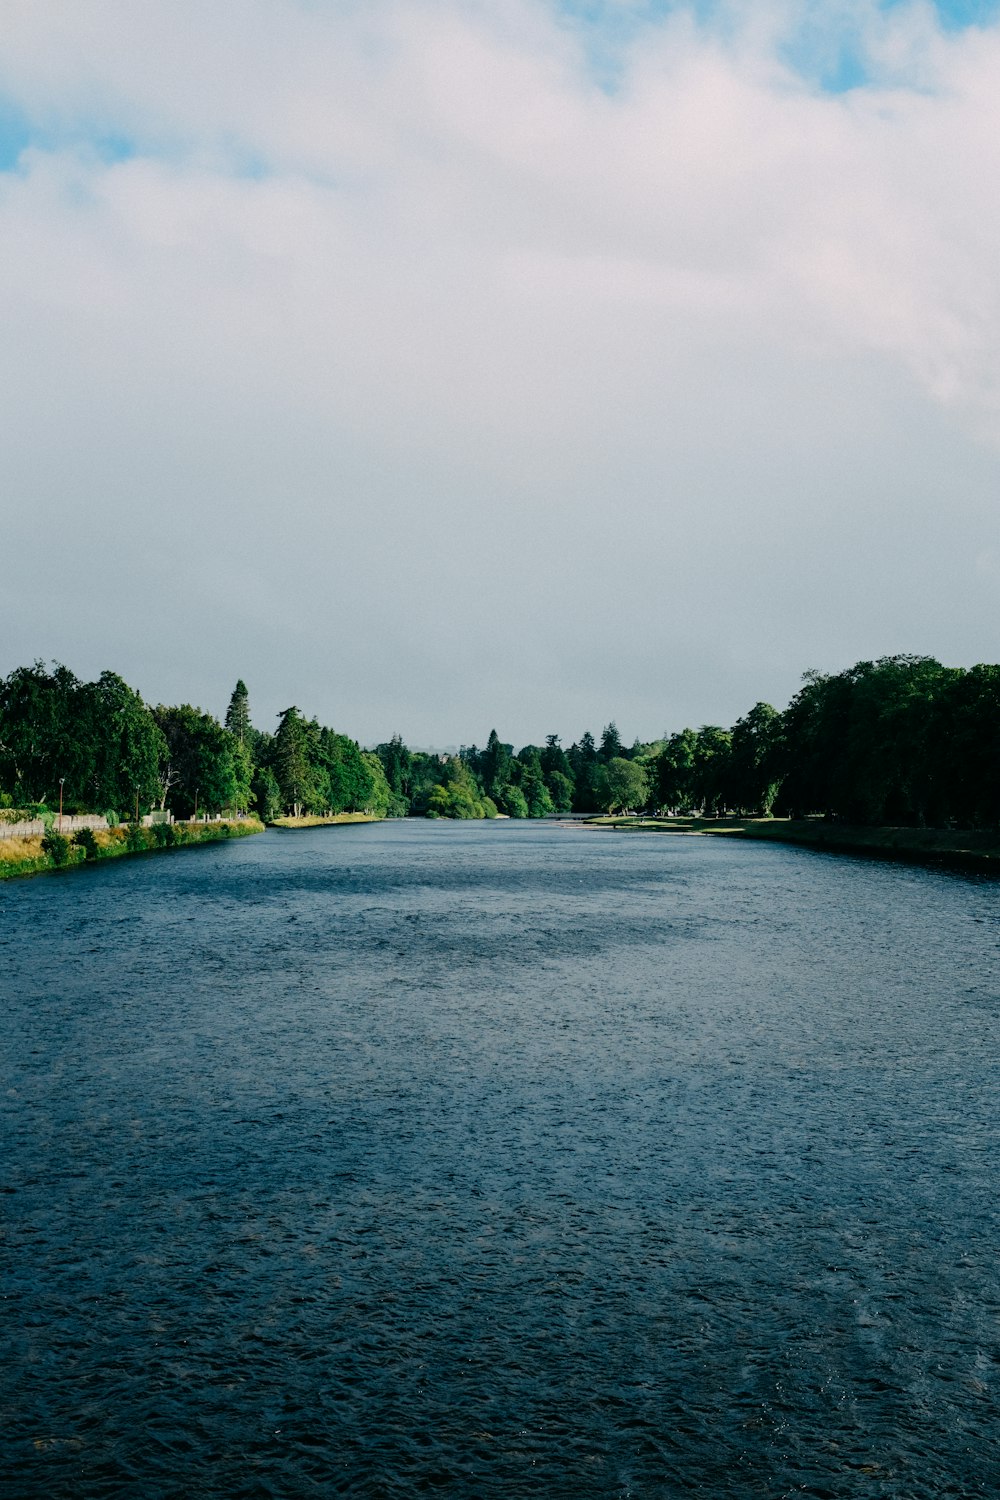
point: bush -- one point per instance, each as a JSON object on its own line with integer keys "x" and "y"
{"x": 57, "y": 847}
{"x": 84, "y": 839}
{"x": 513, "y": 802}
{"x": 135, "y": 839}
{"x": 111, "y": 818}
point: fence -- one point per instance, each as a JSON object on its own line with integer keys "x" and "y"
{"x": 71, "y": 823}
{"x": 31, "y": 827}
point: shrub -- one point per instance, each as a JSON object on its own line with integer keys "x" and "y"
{"x": 84, "y": 839}
{"x": 57, "y": 847}
{"x": 111, "y": 818}
{"x": 513, "y": 802}
{"x": 136, "y": 839}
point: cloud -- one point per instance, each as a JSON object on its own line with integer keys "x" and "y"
{"x": 391, "y": 345}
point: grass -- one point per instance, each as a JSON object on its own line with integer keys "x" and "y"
{"x": 926, "y": 845}
{"x": 317, "y": 820}
{"x": 29, "y": 857}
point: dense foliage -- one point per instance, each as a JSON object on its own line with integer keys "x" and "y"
{"x": 102, "y": 749}
{"x": 902, "y": 740}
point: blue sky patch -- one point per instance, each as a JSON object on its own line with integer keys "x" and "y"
{"x": 18, "y": 133}
{"x": 827, "y": 53}
{"x": 15, "y": 135}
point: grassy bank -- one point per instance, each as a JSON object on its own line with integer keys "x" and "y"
{"x": 34, "y": 856}
{"x": 924, "y": 845}
{"x": 311, "y": 820}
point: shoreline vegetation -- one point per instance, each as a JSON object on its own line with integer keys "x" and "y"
{"x": 42, "y": 853}
{"x": 322, "y": 820}
{"x": 895, "y": 757}
{"x": 967, "y": 849}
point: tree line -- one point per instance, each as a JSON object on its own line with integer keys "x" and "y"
{"x": 100, "y": 748}
{"x": 902, "y": 740}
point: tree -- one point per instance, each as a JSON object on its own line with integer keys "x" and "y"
{"x": 674, "y": 768}
{"x": 40, "y": 735}
{"x": 583, "y": 762}
{"x": 380, "y": 794}
{"x": 624, "y": 785}
{"x": 238, "y": 713}
{"x": 456, "y": 795}
{"x": 711, "y": 767}
{"x": 292, "y": 770}
{"x": 129, "y": 746}
{"x": 532, "y": 783}
{"x": 397, "y": 763}
{"x": 561, "y": 791}
{"x": 495, "y": 765}
{"x": 512, "y": 801}
{"x": 754, "y": 774}
{"x": 558, "y": 774}
{"x": 202, "y": 766}
{"x": 266, "y": 793}
{"x": 611, "y": 744}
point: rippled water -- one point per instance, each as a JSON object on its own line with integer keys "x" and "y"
{"x": 500, "y": 1160}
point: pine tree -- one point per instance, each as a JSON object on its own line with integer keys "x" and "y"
{"x": 238, "y": 713}
{"x": 291, "y": 761}
{"x": 611, "y": 744}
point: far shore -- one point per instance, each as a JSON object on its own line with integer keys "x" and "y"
{"x": 318, "y": 820}
{"x": 967, "y": 848}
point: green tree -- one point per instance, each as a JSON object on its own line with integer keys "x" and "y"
{"x": 560, "y": 791}
{"x": 380, "y": 793}
{"x": 624, "y": 785}
{"x": 238, "y": 714}
{"x": 129, "y": 746}
{"x": 202, "y": 766}
{"x": 558, "y": 774}
{"x": 457, "y": 795}
{"x": 512, "y": 801}
{"x": 291, "y": 766}
{"x": 711, "y": 769}
{"x": 397, "y": 763}
{"x": 584, "y": 764}
{"x": 674, "y": 787}
{"x": 266, "y": 793}
{"x": 532, "y": 783}
{"x": 495, "y": 765}
{"x": 754, "y": 775}
{"x": 40, "y": 735}
{"x": 611, "y": 744}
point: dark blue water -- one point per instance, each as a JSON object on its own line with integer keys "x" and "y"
{"x": 500, "y": 1160}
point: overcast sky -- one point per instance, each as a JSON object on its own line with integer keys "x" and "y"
{"x": 442, "y": 364}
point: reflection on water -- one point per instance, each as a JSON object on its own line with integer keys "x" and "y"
{"x": 500, "y": 1160}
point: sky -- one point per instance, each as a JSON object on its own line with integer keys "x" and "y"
{"x": 442, "y": 365}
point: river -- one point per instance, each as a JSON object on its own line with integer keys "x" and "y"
{"x": 500, "y": 1160}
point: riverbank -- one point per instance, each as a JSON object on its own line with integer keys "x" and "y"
{"x": 311, "y": 820}
{"x": 976, "y": 850}
{"x": 37, "y": 855}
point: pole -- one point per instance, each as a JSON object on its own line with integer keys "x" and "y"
{"x": 137, "y": 807}
{"x": 61, "y": 780}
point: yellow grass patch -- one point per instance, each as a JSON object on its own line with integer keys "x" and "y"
{"x": 13, "y": 851}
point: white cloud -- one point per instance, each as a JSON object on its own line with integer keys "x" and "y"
{"x": 465, "y": 362}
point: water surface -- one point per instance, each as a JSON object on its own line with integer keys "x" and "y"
{"x": 500, "y": 1160}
